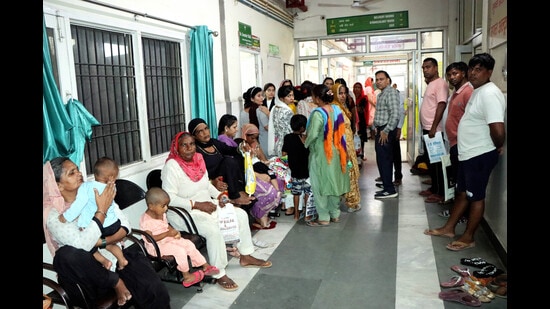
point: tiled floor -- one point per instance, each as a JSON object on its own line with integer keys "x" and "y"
{"x": 375, "y": 258}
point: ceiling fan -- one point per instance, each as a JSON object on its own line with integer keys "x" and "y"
{"x": 357, "y": 4}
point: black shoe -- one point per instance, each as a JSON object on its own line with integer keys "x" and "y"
{"x": 385, "y": 194}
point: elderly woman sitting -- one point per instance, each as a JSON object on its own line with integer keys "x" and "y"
{"x": 185, "y": 179}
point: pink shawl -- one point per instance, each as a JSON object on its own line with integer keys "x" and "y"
{"x": 52, "y": 198}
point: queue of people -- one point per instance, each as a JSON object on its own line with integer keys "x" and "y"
{"x": 203, "y": 175}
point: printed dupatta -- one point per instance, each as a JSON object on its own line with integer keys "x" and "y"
{"x": 334, "y": 132}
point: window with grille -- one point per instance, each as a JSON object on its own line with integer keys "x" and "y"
{"x": 163, "y": 84}
{"x": 107, "y": 86}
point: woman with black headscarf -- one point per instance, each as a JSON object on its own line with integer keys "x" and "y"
{"x": 224, "y": 163}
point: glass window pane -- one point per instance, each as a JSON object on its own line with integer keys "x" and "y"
{"x": 309, "y": 70}
{"x": 347, "y": 45}
{"x": 340, "y": 67}
{"x": 394, "y": 42}
{"x": 308, "y": 48}
{"x": 432, "y": 39}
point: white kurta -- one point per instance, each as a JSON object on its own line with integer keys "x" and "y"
{"x": 183, "y": 192}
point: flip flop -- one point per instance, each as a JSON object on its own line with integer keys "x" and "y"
{"x": 463, "y": 271}
{"x": 436, "y": 233}
{"x": 455, "y": 281}
{"x": 225, "y": 284}
{"x": 460, "y": 297}
{"x": 460, "y": 245}
{"x": 265, "y": 264}
{"x": 316, "y": 223}
{"x": 335, "y": 220}
{"x": 199, "y": 275}
{"x": 475, "y": 262}
{"x": 211, "y": 270}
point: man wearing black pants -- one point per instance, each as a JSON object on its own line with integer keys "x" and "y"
{"x": 385, "y": 120}
{"x": 433, "y": 105}
{"x": 397, "y": 164}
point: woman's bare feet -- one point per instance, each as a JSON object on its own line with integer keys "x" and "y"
{"x": 122, "y": 292}
{"x": 263, "y": 221}
{"x": 227, "y": 283}
{"x": 250, "y": 261}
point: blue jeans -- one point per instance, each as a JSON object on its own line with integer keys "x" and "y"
{"x": 384, "y": 158}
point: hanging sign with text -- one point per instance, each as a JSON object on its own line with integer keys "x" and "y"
{"x": 247, "y": 39}
{"x": 382, "y": 21}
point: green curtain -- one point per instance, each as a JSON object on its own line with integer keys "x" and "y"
{"x": 65, "y": 127}
{"x": 56, "y": 123}
{"x": 202, "y": 77}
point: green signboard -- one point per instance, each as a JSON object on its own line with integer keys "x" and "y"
{"x": 382, "y": 21}
{"x": 245, "y": 35}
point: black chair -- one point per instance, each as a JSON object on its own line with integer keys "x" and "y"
{"x": 129, "y": 193}
{"x": 153, "y": 179}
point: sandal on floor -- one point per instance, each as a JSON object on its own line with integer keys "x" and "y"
{"x": 317, "y": 223}
{"x": 475, "y": 262}
{"x": 488, "y": 271}
{"x": 455, "y": 281}
{"x": 199, "y": 275}
{"x": 335, "y": 220}
{"x": 265, "y": 264}
{"x": 463, "y": 271}
{"x": 460, "y": 297}
{"x": 460, "y": 245}
{"x": 227, "y": 284}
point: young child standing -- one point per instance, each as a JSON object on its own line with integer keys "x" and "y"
{"x": 84, "y": 208}
{"x": 169, "y": 240}
{"x": 293, "y": 147}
